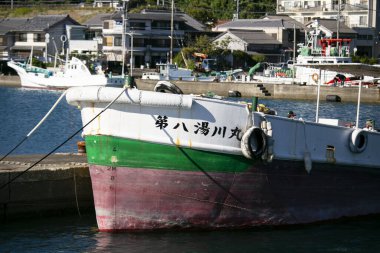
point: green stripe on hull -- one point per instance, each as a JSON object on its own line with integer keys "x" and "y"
{"x": 112, "y": 151}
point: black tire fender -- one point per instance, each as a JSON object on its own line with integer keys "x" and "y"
{"x": 253, "y": 143}
{"x": 358, "y": 140}
{"x": 167, "y": 87}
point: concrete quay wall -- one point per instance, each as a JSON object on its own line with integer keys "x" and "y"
{"x": 274, "y": 91}
{"x": 59, "y": 185}
{"x": 10, "y": 81}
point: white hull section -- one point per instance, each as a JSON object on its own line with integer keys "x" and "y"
{"x": 308, "y": 75}
{"x": 215, "y": 125}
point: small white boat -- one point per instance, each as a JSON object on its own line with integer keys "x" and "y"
{"x": 171, "y": 72}
{"x": 73, "y": 73}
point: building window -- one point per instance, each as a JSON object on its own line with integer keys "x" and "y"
{"x": 137, "y": 26}
{"x": 117, "y": 41}
{"x": 161, "y": 43}
{"x": 108, "y": 25}
{"x": 363, "y": 20}
{"x": 107, "y": 41}
{"x": 137, "y": 42}
{"x": 365, "y": 37}
{"x": 161, "y": 25}
{"x": 22, "y": 37}
{"x": 37, "y": 37}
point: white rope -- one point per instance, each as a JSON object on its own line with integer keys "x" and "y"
{"x": 47, "y": 114}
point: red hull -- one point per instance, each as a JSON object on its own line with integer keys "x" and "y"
{"x": 274, "y": 194}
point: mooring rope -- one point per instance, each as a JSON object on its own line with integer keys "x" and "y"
{"x": 37, "y": 126}
{"x": 64, "y": 142}
{"x": 76, "y": 193}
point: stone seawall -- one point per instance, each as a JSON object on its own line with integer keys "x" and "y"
{"x": 272, "y": 91}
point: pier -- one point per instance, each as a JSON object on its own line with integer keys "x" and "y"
{"x": 58, "y": 185}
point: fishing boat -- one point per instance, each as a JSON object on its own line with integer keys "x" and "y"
{"x": 73, "y": 73}
{"x": 174, "y": 161}
{"x": 315, "y": 51}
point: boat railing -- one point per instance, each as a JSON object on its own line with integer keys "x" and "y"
{"x": 38, "y": 70}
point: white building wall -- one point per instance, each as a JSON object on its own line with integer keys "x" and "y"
{"x": 234, "y": 44}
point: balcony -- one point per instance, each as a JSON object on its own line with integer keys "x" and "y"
{"x": 84, "y": 45}
{"x": 312, "y": 9}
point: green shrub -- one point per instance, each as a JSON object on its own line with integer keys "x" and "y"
{"x": 22, "y": 11}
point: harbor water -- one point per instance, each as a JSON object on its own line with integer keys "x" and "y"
{"x": 21, "y": 109}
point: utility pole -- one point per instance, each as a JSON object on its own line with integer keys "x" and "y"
{"x": 237, "y": 9}
{"x": 294, "y": 48}
{"x": 171, "y": 33}
{"x": 338, "y": 21}
{"x": 124, "y": 14}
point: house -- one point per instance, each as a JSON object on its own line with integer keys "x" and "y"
{"x": 106, "y": 3}
{"x": 7, "y": 38}
{"x": 150, "y": 32}
{"x": 252, "y": 42}
{"x": 46, "y": 34}
{"x": 280, "y": 30}
{"x": 81, "y": 41}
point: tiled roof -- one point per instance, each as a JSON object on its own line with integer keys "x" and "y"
{"x": 254, "y": 37}
{"x": 287, "y": 19}
{"x": 192, "y": 22}
{"x": 147, "y": 15}
{"x": 42, "y": 22}
{"x": 98, "y": 19}
{"x": 331, "y": 25}
{"x": 10, "y": 24}
{"x": 259, "y": 23}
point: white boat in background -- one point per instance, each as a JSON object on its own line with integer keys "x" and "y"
{"x": 73, "y": 73}
{"x": 306, "y": 70}
{"x": 161, "y": 161}
{"x": 171, "y": 72}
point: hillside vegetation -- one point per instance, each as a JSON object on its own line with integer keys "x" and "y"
{"x": 79, "y": 14}
{"x": 205, "y": 11}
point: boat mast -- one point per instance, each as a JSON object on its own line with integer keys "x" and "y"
{"x": 171, "y": 33}
{"x": 31, "y": 58}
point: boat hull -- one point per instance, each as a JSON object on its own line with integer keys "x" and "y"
{"x": 161, "y": 161}
{"x": 281, "y": 193}
{"x": 193, "y": 189}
